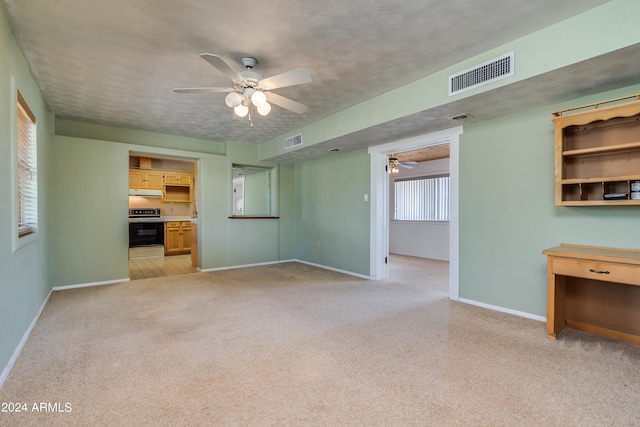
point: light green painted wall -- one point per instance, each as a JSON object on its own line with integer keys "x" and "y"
{"x": 332, "y": 218}
{"x": 24, "y": 273}
{"x": 257, "y": 191}
{"x": 252, "y": 241}
{"x": 138, "y": 137}
{"x": 507, "y": 212}
{"x": 90, "y": 201}
{"x": 286, "y": 211}
{"x": 90, "y": 187}
{"x": 601, "y": 30}
{"x": 214, "y": 190}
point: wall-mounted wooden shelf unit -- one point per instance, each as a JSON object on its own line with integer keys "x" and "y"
{"x": 597, "y": 153}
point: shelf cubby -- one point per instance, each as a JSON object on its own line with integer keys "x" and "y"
{"x": 597, "y": 153}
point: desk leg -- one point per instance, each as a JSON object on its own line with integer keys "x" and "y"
{"x": 556, "y": 302}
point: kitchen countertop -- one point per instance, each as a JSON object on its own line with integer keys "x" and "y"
{"x": 177, "y": 218}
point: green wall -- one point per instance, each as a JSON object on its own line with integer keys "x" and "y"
{"x": 138, "y": 137}
{"x": 598, "y": 31}
{"x": 507, "y": 211}
{"x": 257, "y": 193}
{"x": 90, "y": 184}
{"x": 332, "y": 218}
{"x": 90, "y": 234}
{"x": 24, "y": 271}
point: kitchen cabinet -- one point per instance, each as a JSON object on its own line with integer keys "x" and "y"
{"x": 150, "y": 179}
{"x": 177, "y": 237}
{"x": 178, "y": 193}
{"x": 178, "y": 187}
{"x": 597, "y": 153}
{"x": 178, "y": 178}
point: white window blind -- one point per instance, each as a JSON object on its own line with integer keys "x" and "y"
{"x": 27, "y": 170}
{"x": 422, "y": 199}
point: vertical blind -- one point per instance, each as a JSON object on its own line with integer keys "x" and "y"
{"x": 27, "y": 176}
{"x": 422, "y": 199}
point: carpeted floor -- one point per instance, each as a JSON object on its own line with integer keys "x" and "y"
{"x": 294, "y": 345}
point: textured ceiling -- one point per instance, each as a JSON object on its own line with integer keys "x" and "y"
{"x": 116, "y": 62}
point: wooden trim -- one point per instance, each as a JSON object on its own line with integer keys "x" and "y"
{"x": 596, "y": 105}
{"x": 602, "y": 150}
{"x": 26, "y": 108}
{"x": 605, "y": 332}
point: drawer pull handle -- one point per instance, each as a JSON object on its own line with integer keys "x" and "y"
{"x": 591, "y": 270}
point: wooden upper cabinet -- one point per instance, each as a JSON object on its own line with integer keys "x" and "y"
{"x": 176, "y": 178}
{"x": 176, "y": 186}
{"x": 150, "y": 179}
{"x": 597, "y": 153}
{"x": 155, "y": 180}
{"x": 136, "y": 178}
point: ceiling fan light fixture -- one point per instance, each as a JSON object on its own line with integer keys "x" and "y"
{"x": 258, "y": 98}
{"x": 393, "y": 165}
{"x": 264, "y": 109}
{"x": 241, "y": 110}
{"x": 233, "y": 99}
{"x": 248, "y": 88}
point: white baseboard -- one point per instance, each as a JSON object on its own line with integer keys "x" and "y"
{"x": 233, "y": 267}
{"x": 7, "y": 369}
{"x": 204, "y": 270}
{"x": 504, "y": 309}
{"x": 350, "y": 273}
{"x": 87, "y": 285}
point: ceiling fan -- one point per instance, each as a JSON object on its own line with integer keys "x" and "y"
{"x": 394, "y": 163}
{"x": 252, "y": 89}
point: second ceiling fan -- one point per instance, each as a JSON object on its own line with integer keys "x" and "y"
{"x": 394, "y": 163}
{"x": 252, "y": 89}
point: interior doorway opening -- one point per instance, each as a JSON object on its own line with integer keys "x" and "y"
{"x": 379, "y": 253}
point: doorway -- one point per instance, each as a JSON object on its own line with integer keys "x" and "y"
{"x": 379, "y": 252}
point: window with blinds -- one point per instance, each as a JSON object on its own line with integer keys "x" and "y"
{"x": 422, "y": 199}
{"x": 27, "y": 171}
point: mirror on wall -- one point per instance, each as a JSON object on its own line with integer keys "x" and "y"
{"x": 251, "y": 191}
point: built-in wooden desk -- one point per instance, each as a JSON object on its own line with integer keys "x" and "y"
{"x": 594, "y": 289}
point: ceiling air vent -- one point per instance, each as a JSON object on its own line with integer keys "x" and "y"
{"x": 293, "y": 141}
{"x": 487, "y": 72}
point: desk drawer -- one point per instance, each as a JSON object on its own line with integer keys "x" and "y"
{"x": 606, "y": 271}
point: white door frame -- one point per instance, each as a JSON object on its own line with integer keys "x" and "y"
{"x": 379, "y": 229}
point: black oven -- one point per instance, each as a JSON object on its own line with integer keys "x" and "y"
{"x": 146, "y": 228}
{"x": 146, "y": 234}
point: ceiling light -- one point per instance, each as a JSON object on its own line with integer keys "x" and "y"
{"x": 233, "y": 99}
{"x": 241, "y": 110}
{"x": 264, "y": 109}
{"x": 258, "y": 98}
{"x": 393, "y": 165}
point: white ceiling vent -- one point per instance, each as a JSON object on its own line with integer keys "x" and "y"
{"x": 293, "y": 141}
{"x": 487, "y": 72}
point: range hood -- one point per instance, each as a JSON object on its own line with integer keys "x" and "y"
{"x": 145, "y": 192}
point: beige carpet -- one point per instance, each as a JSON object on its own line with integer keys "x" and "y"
{"x": 294, "y": 345}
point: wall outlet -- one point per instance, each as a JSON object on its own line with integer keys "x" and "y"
{"x": 366, "y": 197}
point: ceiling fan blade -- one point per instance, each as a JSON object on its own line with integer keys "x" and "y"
{"x": 202, "y": 89}
{"x": 286, "y": 103}
{"x": 410, "y": 162}
{"x": 403, "y": 165}
{"x": 222, "y": 66}
{"x": 290, "y": 78}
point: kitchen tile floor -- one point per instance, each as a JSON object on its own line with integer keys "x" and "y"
{"x": 146, "y": 268}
